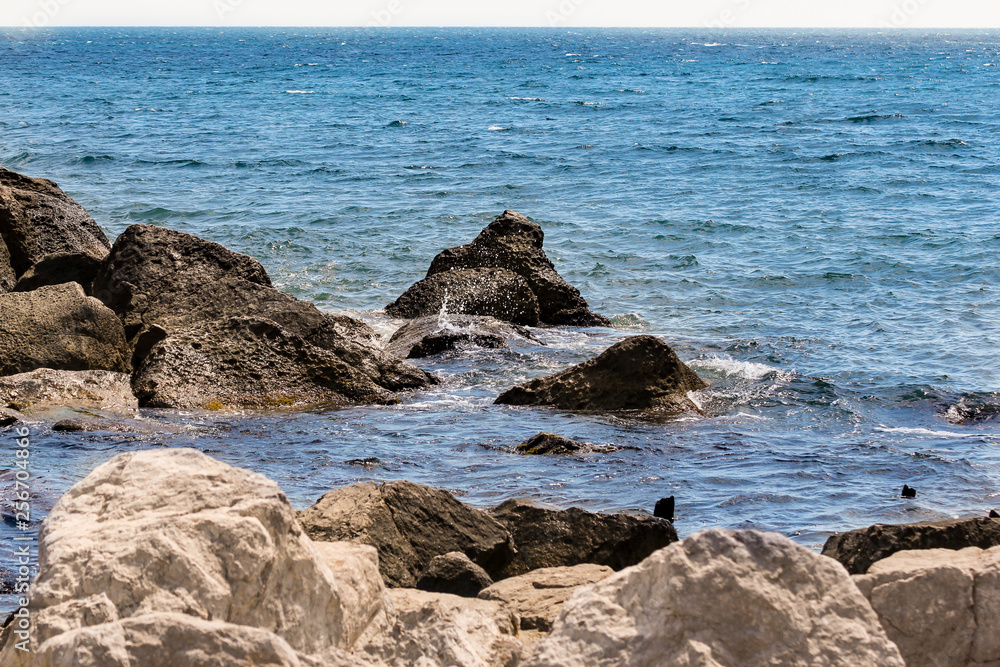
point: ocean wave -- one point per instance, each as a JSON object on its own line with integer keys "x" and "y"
{"x": 747, "y": 370}
{"x": 300, "y": 92}
{"x": 929, "y": 432}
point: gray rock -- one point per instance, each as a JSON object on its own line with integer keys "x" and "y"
{"x": 48, "y": 393}
{"x": 409, "y": 524}
{"x": 492, "y": 292}
{"x": 38, "y": 219}
{"x": 557, "y": 538}
{"x": 59, "y": 327}
{"x": 639, "y": 373}
{"x": 434, "y": 334}
{"x": 59, "y": 268}
{"x": 858, "y": 549}
{"x": 453, "y": 573}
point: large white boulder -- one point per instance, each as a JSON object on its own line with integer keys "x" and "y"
{"x": 733, "y": 598}
{"x": 940, "y": 606}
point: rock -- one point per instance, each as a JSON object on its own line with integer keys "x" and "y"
{"x": 59, "y": 268}
{"x": 72, "y": 426}
{"x": 639, "y": 373}
{"x": 994, "y": 514}
{"x": 172, "y": 549}
{"x": 59, "y": 327}
{"x": 9, "y": 417}
{"x": 720, "y": 598}
{"x": 973, "y": 409}
{"x": 491, "y": 292}
{"x": 907, "y": 492}
{"x": 940, "y": 607}
{"x": 409, "y": 524}
{"x": 38, "y": 219}
{"x": 514, "y": 243}
{"x": 163, "y": 283}
{"x": 426, "y": 336}
{"x": 359, "y": 583}
{"x": 664, "y": 508}
{"x": 439, "y": 629}
{"x": 7, "y": 275}
{"x": 453, "y": 573}
{"x": 858, "y": 549}
{"x": 247, "y": 362}
{"x": 558, "y": 538}
{"x": 538, "y": 596}
{"x": 45, "y": 390}
{"x": 550, "y": 443}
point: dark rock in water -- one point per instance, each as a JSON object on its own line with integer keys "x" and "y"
{"x": 397, "y": 123}
{"x": 370, "y": 462}
{"x": 7, "y": 275}
{"x": 994, "y": 515}
{"x": 409, "y": 525}
{"x": 61, "y": 328}
{"x": 7, "y": 582}
{"x": 664, "y": 509}
{"x": 513, "y": 243}
{"x": 555, "y": 538}
{"x": 491, "y": 292}
{"x": 9, "y": 417}
{"x": 163, "y": 282}
{"x": 426, "y": 336}
{"x": 38, "y": 219}
{"x": 70, "y": 426}
{"x": 550, "y": 443}
{"x": 858, "y": 549}
{"x": 907, "y": 492}
{"x": 59, "y": 268}
{"x": 639, "y": 373}
{"x": 973, "y": 409}
{"x": 454, "y": 573}
{"x": 247, "y": 362}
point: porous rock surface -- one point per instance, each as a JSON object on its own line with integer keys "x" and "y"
{"x": 45, "y": 389}
{"x": 59, "y": 268}
{"x": 488, "y": 292}
{"x": 720, "y": 598}
{"x": 453, "y": 573}
{"x": 434, "y": 334}
{"x": 640, "y": 373}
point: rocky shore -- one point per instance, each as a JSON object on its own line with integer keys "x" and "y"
{"x": 170, "y": 557}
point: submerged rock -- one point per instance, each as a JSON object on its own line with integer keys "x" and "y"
{"x": 409, "y": 524}
{"x": 550, "y": 443}
{"x": 858, "y": 549}
{"x": 490, "y": 292}
{"x": 59, "y": 327}
{"x": 940, "y": 607}
{"x": 453, "y": 573}
{"x": 38, "y": 219}
{"x": 434, "y": 334}
{"x": 720, "y": 598}
{"x": 639, "y": 373}
{"x": 559, "y": 538}
{"x": 511, "y": 243}
{"x": 59, "y": 268}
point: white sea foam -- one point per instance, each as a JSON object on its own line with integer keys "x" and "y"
{"x": 747, "y": 370}
{"x": 498, "y": 128}
{"x": 300, "y": 92}
{"x": 929, "y": 432}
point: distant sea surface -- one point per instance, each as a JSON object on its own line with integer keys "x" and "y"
{"x": 809, "y": 218}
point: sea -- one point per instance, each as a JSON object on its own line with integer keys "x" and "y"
{"x": 809, "y": 218}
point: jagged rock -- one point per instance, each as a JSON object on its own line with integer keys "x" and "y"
{"x": 557, "y": 538}
{"x": 440, "y": 629}
{"x": 492, "y": 292}
{"x": 858, "y": 549}
{"x": 164, "y": 283}
{"x": 550, "y": 443}
{"x": 10, "y": 417}
{"x": 639, "y": 373}
{"x": 7, "y": 275}
{"x": 38, "y": 219}
{"x": 247, "y": 362}
{"x": 59, "y": 327}
{"x": 409, "y": 524}
{"x": 720, "y": 598}
{"x": 512, "y": 243}
{"x": 940, "y": 607}
{"x": 45, "y": 390}
{"x": 434, "y": 334}
{"x": 59, "y": 268}
{"x": 453, "y": 573}
{"x": 172, "y": 549}
{"x": 538, "y": 596}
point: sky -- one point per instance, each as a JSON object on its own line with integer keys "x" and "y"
{"x": 555, "y": 13}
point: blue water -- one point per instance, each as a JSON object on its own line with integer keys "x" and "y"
{"x": 809, "y": 218}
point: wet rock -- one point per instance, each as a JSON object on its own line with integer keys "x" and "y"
{"x": 368, "y": 462}
{"x": 639, "y": 373}
{"x": 247, "y": 362}
{"x": 38, "y": 219}
{"x": 720, "y": 598}
{"x": 430, "y": 335}
{"x": 973, "y": 409}
{"x": 59, "y": 327}
{"x": 550, "y": 443}
{"x": 492, "y": 292}
{"x": 59, "y": 268}
{"x": 858, "y": 549}
{"x": 453, "y": 573}
{"x": 538, "y": 596}
{"x": 664, "y": 508}
{"x": 907, "y": 492}
{"x": 72, "y": 426}
{"x": 45, "y": 390}
{"x": 512, "y": 243}
{"x": 559, "y": 538}
{"x": 940, "y": 607}
{"x": 409, "y": 524}
{"x": 9, "y": 417}
{"x": 163, "y": 282}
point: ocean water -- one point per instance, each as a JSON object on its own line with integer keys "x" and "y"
{"x": 809, "y": 218}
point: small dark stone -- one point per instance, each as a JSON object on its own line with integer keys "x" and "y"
{"x": 994, "y": 515}
{"x": 664, "y": 509}
{"x": 370, "y": 462}
{"x": 454, "y": 573}
{"x": 70, "y": 426}
{"x": 549, "y": 443}
{"x": 908, "y": 492}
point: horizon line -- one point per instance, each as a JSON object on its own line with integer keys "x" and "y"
{"x": 512, "y": 27}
